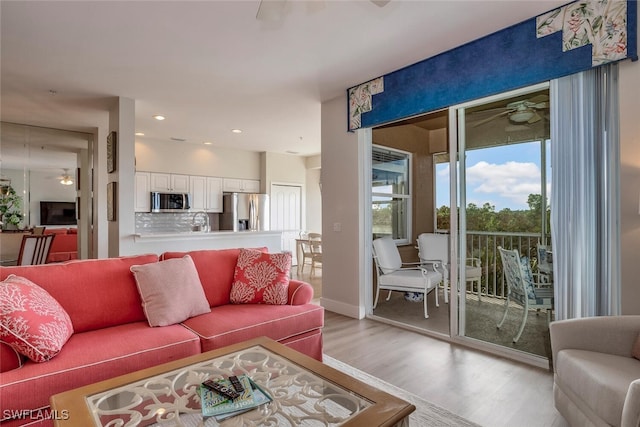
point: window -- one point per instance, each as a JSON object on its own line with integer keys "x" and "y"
{"x": 391, "y": 193}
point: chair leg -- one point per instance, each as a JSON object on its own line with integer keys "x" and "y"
{"x": 524, "y": 321}
{"x": 389, "y": 296}
{"x": 426, "y": 315}
{"x": 504, "y": 316}
{"x": 446, "y": 290}
{"x": 437, "y": 296}
{"x": 375, "y": 303}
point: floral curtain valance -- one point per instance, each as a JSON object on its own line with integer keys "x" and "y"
{"x": 567, "y": 40}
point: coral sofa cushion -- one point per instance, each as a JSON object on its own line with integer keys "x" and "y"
{"x": 32, "y": 322}
{"x": 170, "y": 290}
{"x": 261, "y": 278}
{"x": 96, "y": 293}
{"x": 10, "y": 359}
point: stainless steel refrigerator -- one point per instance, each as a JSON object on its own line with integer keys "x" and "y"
{"x": 245, "y": 211}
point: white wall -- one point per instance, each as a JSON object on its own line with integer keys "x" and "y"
{"x": 314, "y": 201}
{"x": 341, "y": 250}
{"x": 195, "y": 159}
{"x": 630, "y": 185}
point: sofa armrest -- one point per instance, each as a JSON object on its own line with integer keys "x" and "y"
{"x": 605, "y": 334}
{"x": 631, "y": 409}
{"x": 300, "y": 292}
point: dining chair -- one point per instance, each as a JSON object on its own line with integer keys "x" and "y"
{"x": 394, "y": 275}
{"x": 35, "y": 249}
{"x": 521, "y": 288}
{"x": 38, "y": 231}
{"x": 433, "y": 251}
{"x": 315, "y": 245}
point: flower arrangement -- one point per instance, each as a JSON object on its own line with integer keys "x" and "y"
{"x": 10, "y": 205}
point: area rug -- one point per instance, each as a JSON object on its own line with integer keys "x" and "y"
{"x": 426, "y": 413}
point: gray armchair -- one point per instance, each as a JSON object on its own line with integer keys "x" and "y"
{"x": 596, "y": 381}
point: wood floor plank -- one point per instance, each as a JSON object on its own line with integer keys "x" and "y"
{"x": 483, "y": 388}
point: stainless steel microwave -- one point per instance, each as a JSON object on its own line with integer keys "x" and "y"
{"x": 170, "y": 202}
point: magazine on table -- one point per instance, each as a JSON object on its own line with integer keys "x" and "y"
{"x": 221, "y": 407}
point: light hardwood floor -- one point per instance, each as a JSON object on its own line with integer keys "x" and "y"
{"x": 483, "y": 388}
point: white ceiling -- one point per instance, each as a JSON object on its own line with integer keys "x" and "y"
{"x": 210, "y": 66}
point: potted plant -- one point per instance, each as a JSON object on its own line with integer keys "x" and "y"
{"x": 10, "y": 205}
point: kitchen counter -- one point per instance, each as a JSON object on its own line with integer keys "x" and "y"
{"x": 196, "y": 240}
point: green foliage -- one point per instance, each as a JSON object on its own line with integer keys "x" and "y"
{"x": 10, "y": 205}
{"x": 486, "y": 218}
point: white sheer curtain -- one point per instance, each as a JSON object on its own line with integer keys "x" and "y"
{"x": 585, "y": 193}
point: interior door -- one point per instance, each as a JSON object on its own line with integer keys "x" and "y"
{"x": 286, "y": 215}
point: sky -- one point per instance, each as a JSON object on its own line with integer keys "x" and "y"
{"x": 502, "y": 176}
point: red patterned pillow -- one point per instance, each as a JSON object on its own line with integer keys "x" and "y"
{"x": 261, "y": 278}
{"x": 32, "y": 322}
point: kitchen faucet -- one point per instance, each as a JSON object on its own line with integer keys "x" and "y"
{"x": 197, "y": 226}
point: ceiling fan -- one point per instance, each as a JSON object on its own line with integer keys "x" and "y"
{"x": 520, "y": 112}
{"x": 65, "y": 178}
{"x": 275, "y": 10}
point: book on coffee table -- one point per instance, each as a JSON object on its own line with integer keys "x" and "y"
{"x": 221, "y": 407}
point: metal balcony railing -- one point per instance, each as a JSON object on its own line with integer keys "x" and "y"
{"x": 484, "y": 246}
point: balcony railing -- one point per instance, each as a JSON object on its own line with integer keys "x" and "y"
{"x": 484, "y": 246}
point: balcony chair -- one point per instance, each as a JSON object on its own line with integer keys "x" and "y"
{"x": 433, "y": 250}
{"x": 394, "y": 275}
{"x": 521, "y": 288}
{"x": 35, "y": 249}
{"x": 545, "y": 264}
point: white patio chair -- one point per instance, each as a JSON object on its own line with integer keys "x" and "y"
{"x": 522, "y": 289}
{"x": 394, "y": 275}
{"x": 433, "y": 251}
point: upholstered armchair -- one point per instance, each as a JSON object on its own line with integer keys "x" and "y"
{"x": 597, "y": 380}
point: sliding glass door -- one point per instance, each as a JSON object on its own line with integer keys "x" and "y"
{"x": 500, "y": 184}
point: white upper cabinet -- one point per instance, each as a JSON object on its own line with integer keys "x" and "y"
{"x": 142, "y": 201}
{"x": 241, "y": 185}
{"x": 169, "y": 182}
{"x": 206, "y": 193}
{"x": 214, "y": 194}
{"x": 198, "y": 190}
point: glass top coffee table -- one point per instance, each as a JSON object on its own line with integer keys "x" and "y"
{"x": 304, "y": 392}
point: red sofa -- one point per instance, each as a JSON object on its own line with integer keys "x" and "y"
{"x": 65, "y": 245}
{"x": 112, "y": 336}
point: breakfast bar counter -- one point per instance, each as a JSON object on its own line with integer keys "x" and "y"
{"x": 188, "y": 241}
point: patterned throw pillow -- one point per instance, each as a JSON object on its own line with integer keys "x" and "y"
{"x": 32, "y": 322}
{"x": 261, "y": 278}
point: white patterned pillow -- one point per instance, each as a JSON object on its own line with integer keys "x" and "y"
{"x": 261, "y": 278}
{"x": 32, "y": 322}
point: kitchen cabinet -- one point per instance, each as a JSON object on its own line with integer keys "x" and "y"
{"x": 169, "y": 182}
{"x": 142, "y": 201}
{"x": 241, "y": 185}
{"x": 206, "y": 193}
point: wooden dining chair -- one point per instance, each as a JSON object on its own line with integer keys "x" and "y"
{"x": 35, "y": 249}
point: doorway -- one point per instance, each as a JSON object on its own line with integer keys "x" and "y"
{"x": 286, "y": 215}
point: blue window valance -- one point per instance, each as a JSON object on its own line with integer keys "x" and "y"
{"x": 567, "y": 40}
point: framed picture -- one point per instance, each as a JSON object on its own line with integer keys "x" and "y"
{"x": 112, "y": 197}
{"x": 112, "y": 148}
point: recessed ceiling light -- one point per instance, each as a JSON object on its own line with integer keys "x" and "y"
{"x": 236, "y": 130}
{"x": 159, "y": 117}
{"x": 139, "y": 133}
{"x": 207, "y": 142}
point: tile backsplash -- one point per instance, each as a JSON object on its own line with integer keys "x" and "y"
{"x": 169, "y": 222}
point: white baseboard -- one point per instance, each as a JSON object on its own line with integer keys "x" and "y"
{"x": 340, "y": 307}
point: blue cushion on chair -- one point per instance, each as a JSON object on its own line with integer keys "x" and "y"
{"x": 528, "y": 277}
